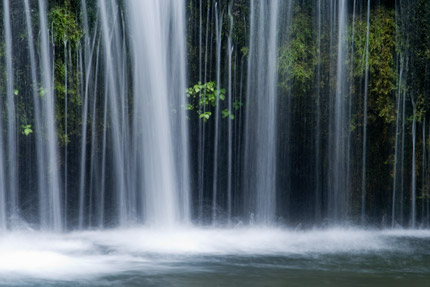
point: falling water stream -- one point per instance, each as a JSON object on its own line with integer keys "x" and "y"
{"x": 107, "y": 179}
{"x": 50, "y": 187}
{"x": 260, "y": 131}
{"x": 366, "y": 92}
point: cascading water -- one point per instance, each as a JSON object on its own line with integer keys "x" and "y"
{"x": 230, "y": 50}
{"x": 115, "y": 97}
{"x": 339, "y": 122}
{"x": 366, "y": 91}
{"x": 3, "y": 188}
{"x": 11, "y": 143}
{"x": 123, "y": 176}
{"x": 318, "y": 169}
{"x": 215, "y": 185}
{"x": 158, "y": 53}
{"x": 260, "y": 132}
{"x": 108, "y": 136}
{"x": 89, "y": 52}
{"x": 423, "y": 176}
{"x": 106, "y": 172}
{"x": 413, "y": 174}
{"x": 49, "y": 179}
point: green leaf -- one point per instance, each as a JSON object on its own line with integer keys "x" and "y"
{"x": 204, "y": 95}
{"x": 225, "y": 113}
{"x": 190, "y": 107}
{"x": 15, "y": 92}
{"x": 205, "y": 116}
{"x": 244, "y": 51}
{"x": 210, "y": 86}
{"x": 26, "y": 130}
{"x": 42, "y": 92}
{"x": 237, "y": 105}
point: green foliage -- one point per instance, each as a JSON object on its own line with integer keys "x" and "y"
{"x": 42, "y": 92}
{"x": 237, "y": 105}
{"x": 240, "y": 13}
{"x": 245, "y": 51}
{"x": 74, "y": 102}
{"x": 203, "y": 98}
{"x": 26, "y": 130}
{"x": 226, "y": 113}
{"x": 65, "y": 26}
{"x": 298, "y": 57}
{"x": 416, "y": 18}
{"x": 67, "y": 34}
{"x": 382, "y": 79}
{"x": 205, "y": 94}
{"x": 205, "y": 115}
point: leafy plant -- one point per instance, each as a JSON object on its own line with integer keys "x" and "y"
{"x": 204, "y": 97}
{"x": 226, "y": 113}
{"x": 26, "y": 130}
{"x": 65, "y": 26}
{"x": 382, "y": 82}
{"x": 237, "y": 105}
{"x": 298, "y": 56}
{"x": 42, "y": 92}
{"x": 205, "y": 115}
{"x": 245, "y": 51}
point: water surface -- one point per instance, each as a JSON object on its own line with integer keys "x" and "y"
{"x": 242, "y": 256}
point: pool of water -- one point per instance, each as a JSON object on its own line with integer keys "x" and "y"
{"x": 241, "y": 256}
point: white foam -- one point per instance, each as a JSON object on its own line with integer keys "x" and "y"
{"x": 96, "y": 253}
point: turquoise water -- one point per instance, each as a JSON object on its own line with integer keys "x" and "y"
{"x": 216, "y": 257}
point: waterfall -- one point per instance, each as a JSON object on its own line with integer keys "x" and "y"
{"x": 200, "y": 38}
{"x": 96, "y": 130}
{"x": 424, "y": 171}
{"x": 86, "y": 72}
{"x": 402, "y": 150}
{"x": 158, "y": 56}
{"x": 3, "y": 187}
{"x": 318, "y": 185}
{"x": 215, "y": 185}
{"x": 12, "y": 185}
{"x": 339, "y": 123}
{"x": 396, "y": 146}
{"x": 366, "y": 91}
{"x": 260, "y": 131}
{"x": 49, "y": 178}
{"x": 413, "y": 179}
{"x": 66, "y": 67}
{"x": 3, "y": 204}
{"x": 230, "y": 51}
{"x": 115, "y": 94}
{"x": 202, "y": 126}
{"x": 427, "y": 193}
